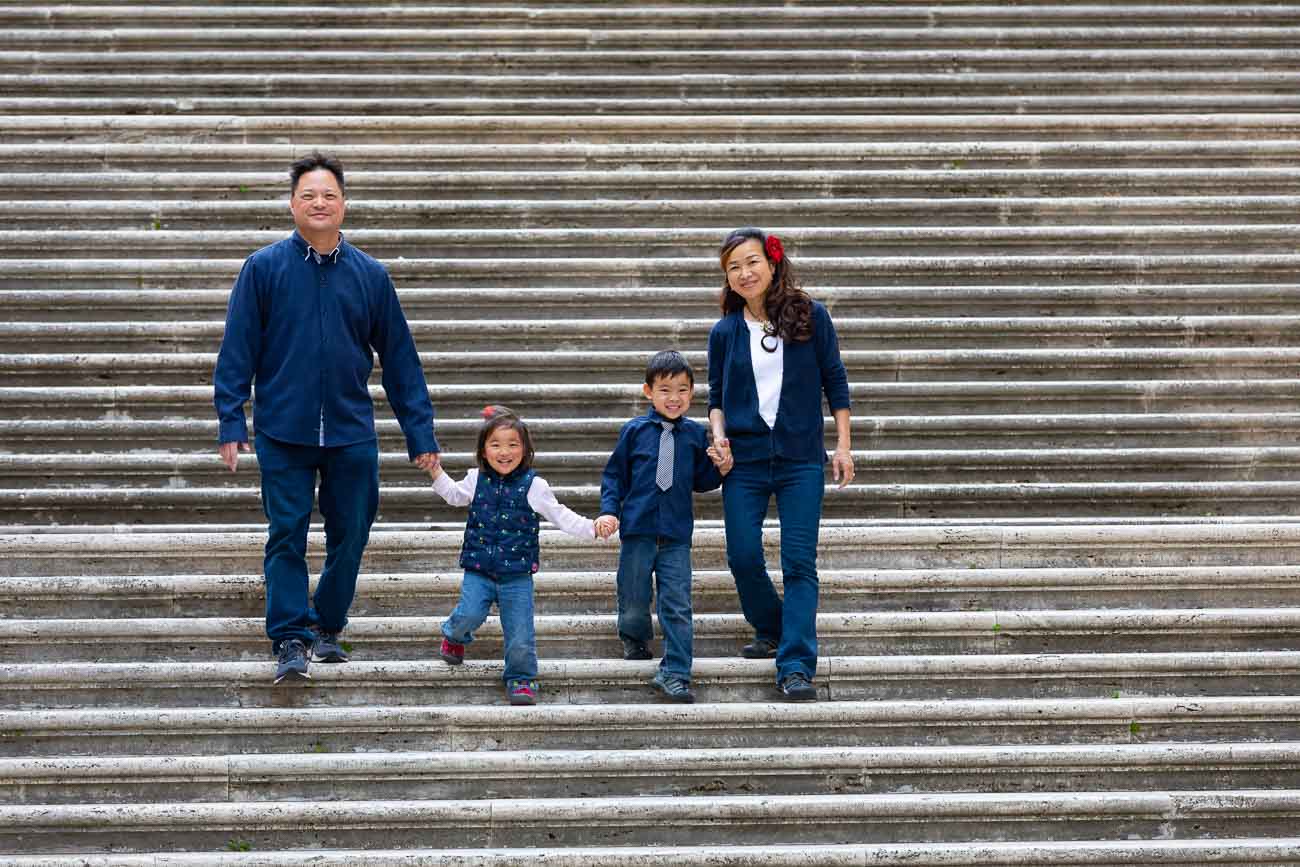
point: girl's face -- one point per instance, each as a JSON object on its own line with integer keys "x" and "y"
{"x": 749, "y": 274}
{"x": 503, "y": 450}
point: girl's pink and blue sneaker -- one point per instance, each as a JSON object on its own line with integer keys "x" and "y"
{"x": 451, "y": 652}
{"x": 522, "y": 692}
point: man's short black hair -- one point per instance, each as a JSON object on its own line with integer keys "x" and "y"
{"x": 310, "y": 163}
{"x": 670, "y": 362}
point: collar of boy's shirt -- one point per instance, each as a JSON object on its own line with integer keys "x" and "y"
{"x": 310, "y": 252}
{"x": 654, "y": 415}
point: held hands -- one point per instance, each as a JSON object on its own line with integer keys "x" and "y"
{"x": 842, "y": 466}
{"x": 606, "y": 526}
{"x": 229, "y": 453}
{"x": 430, "y": 463}
{"x": 720, "y": 454}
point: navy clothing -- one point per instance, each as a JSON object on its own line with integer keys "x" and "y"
{"x": 305, "y": 329}
{"x": 811, "y": 368}
{"x": 628, "y": 490}
{"x": 501, "y": 532}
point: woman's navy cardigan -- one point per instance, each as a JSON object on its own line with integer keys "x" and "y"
{"x": 811, "y": 368}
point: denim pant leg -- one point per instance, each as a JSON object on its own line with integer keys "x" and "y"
{"x": 515, "y": 601}
{"x": 288, "y": 490}
{"x": 636, "y": 562}
{"x": 673, "y": 598}
{"x": 477, "y": 593}
{"x": 349, "y": 499}
{"x": 745, "y": 494}
{"x": 800, "y": 487}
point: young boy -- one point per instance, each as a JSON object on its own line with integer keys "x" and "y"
{"x": 646, "y": 493}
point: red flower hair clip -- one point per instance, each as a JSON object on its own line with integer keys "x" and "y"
{"x": 488, "y": 411}
{"x": 775, "y": 251}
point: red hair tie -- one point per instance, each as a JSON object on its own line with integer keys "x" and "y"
{"x": 775, "y": 252}
{"x": 488, "y": 411}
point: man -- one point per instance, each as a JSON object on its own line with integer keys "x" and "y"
{"x": 304, "y": 317}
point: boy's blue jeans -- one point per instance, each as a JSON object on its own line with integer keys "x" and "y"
{"x": 349, "y": 499}
{"x": 513, "y": 595}
{"x": 799, "y": 487}
{"x": 670, "y": 561}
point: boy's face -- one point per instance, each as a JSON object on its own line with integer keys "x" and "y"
{"x": 671, "y": 395}
{"x": 503, "y": 450}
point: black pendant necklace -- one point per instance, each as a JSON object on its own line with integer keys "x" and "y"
{"x": 769, "y": 333}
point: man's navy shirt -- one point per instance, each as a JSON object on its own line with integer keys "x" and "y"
{"x": 305, "y": 328}
{"x": 628, "y": 490}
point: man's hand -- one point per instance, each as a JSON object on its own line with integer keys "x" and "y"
{"x": 606, "y": 526}
{"x": 430, "y": 463}
{"x": 230, "y": 454}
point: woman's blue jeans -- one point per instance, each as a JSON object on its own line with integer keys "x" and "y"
{"x": 799, "y": 487}
{"x": 513, "y": 595}
{"x": 349, "y": 499}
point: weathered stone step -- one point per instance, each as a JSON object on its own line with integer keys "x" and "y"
{"x": 1235, "y": 851}
{"x": 651, "y": 772}
{"x": 1026, "y": 398}
{"x": 812, "y": 242}
{"x": 932, "y": 544}
{"x": 93, "y": 732}
{"x": 483, "y": 129}
{"x": 142, "y": 469}
{"x": 595, "y": 636}
{"x": 25, "y": 437}
{"x": 434, "y": 592}
{"x": 520, "y": 822}
{"x": 584, "y": 681}
{"x": 55, "y": 301}
{"x": 155, "y": 157}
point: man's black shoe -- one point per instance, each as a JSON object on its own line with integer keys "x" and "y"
{"x": 797, "y": 687}
{"x": 636, "y": 650}
{"x": 326, "y": 648}
{"x": 760, "y": 649}
{"x": 292, "y": 661}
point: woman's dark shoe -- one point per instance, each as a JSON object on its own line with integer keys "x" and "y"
{"x": 797, "y": 687}
{"x": 760, "y": 649}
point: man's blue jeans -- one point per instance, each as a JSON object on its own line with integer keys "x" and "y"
{"x": 513, "y": 595}
{"x": 670, "y": 561}
{"x": 349, "y": 499}
{"x": 799, "y": 487}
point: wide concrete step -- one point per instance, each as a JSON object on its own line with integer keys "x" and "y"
{"x": 29, "y": 438}
{"x": 121, "y": 731}
{"x": 429, "y": 594}
{"x": 605, "y": 773}
{"x": 1221, "y": 850}
{"x": 481, "y": 129}
{"x": 56, "y": 302}
{"x": 595, "y": 636}
{"x": 521, "y": 822}
{"x": 68, "y": 685}
{"x": 141, "y": 469}
{"x": 927, "y": 544}
{"x": 184, "y": 157}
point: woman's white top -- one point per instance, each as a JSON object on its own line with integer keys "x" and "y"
{"x": 769, "y": 369}
{"x": 540, "y": 497}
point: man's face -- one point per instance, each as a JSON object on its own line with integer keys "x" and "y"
{"x": 317, "y": 204}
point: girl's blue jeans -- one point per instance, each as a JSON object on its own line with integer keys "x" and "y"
{"x": 513, "y": 595}
{"x": 349, "y": 499}
{"x": 799, "y": 487}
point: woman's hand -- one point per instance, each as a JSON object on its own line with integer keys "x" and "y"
{"x": 842, "y": 466}
{"x": 720, "y": 454}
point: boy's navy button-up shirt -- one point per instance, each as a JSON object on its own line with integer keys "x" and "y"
{"x": 305, "y": 329}
{"x": 628, "y": 490}
{"x": 812, "y": 368}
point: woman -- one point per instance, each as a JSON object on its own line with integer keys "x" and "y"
{"x": 772, "y": 356}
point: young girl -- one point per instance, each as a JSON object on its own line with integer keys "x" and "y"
{"x": 500, "y": 552}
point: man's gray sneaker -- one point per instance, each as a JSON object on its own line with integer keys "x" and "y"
{"x": 291, "y": 661}
{"x": 673, "y": 688}
{"x": 761, "y": 648}
{"x": 326, "y": 648}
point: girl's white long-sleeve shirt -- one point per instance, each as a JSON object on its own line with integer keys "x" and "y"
{"x": 540, "y": 497}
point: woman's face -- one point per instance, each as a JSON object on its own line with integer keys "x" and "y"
{"x": 749, "y": 274}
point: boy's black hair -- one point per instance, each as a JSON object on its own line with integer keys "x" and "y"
{"x": 670, "y": 362}
{"x": 496, "y": 417}
{"x": 310, "y": 163}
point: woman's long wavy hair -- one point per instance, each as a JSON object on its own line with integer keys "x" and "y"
{"x": 787, "y": 305}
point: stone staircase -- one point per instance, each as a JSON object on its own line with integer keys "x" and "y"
{"x": 1060, "y": 614}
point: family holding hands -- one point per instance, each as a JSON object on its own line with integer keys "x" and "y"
{"x": 305, "y": 319}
